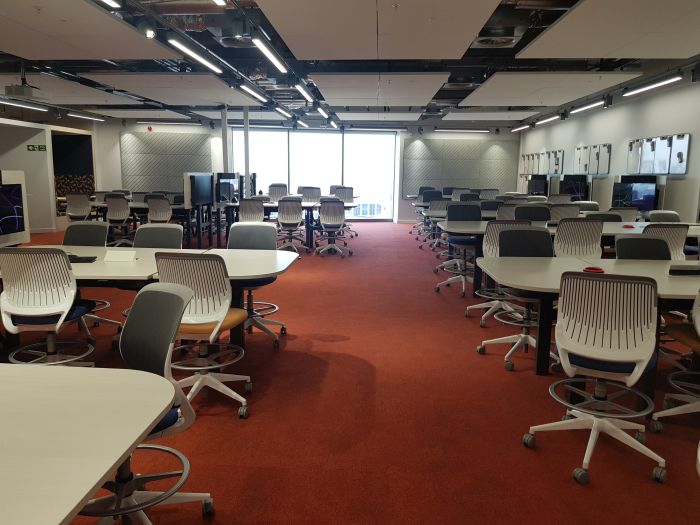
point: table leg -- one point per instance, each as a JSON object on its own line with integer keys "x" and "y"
{"x": 218, "y": 227}
{"x": 478, "y": 274}
{"x": 309, "y": 221}
{"x": 544, "y": 334}
{"x": 237, "y": 333}
{"x": 198, "y": 217}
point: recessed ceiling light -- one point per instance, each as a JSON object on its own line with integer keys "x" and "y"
{"x": 302, "y": 123}
{"x": 463, "y": 131}
{"x": 334, "y": 125}
{"x": 199, "y": 58}
{"x": 322, "y": 112}
{"x": 653, "y": 86}
{"x": 220, "y": 2}
{"x": 173, "y": 123}
{"x": 301, "y": 88}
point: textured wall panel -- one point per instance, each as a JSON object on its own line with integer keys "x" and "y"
{"x": 459, "y": 163}
{"x": 157, "y": 161}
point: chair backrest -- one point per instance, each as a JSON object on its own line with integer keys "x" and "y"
{"x": 158, "y": 236}
{"x": 463, "y": 212}
{"x": 493, "y": 231}
{"x": 588, "y": 205}
{"x": 423, "y": 189}
{"x": 563, "y": 211}
{"x": 533, "y": 212}
{"x": 490, "y": 205}
{"x": 560, "y": 198}
{"x": 155, "y": 195}
{"x": 289, "y": 212}
{"x": 578, "y": 238}
{"x": 78, "y": 205}
{"x": 332, "y": 213}
{"x": 100, "y": 196}
{"x": 504, "y": 197}
{"x": 123, "y": 192}
{"x": 526, "y": 241}
{"x": 159, "y": 209}
{"x": 439, "y": 205}
{"x": 488, "y": 194}
{"x": 86, "y": 233}
{"x": 506, "y": 212}
{"x": 36, "y": 282}
{"x": 664, "y": 216}
{"x": 345, "y": 194}
{"x": 517, "y": 200}
{"x": 277, "y": 191}
{"x": 674, "y": 235}
{"x": 432, "y": 195}
{"x": 536, "y": 198}
{"x": 253, "y": 236}
{"x": 311, "y": 193}
{"x": 639, "y": 247}
{"x": 466, "y": 196}
{"x": 333, "y": 187}
{"x": 117, "y": 207}
{"x": 604, "y": 216}
{"x": 138, "y": 196}
{"x": 205, "y": 274}
{"x": 251, "y": 210}
{"x": 291, "y": 198}
{"x": 627, "y": 214}
{"x": 610, "y": 318}
{"x": 447, "y": 191}
{"x": 457, "y": 193}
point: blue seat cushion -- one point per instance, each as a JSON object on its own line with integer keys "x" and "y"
{"x": 167, "y": 421}
{"x": 606, "y": 366}
{"x": 691, "y": 250}
{"x": 256, "y": 283}
{"x": 80, "y": 308}
{"x": 462, "y": 241}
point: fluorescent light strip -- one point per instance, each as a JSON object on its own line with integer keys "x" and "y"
{"x": 112, "y": 4}
{"x": 283, "y": 112}
{"x": 262, "y": 46}
{"x": 253, "y": 93}
{"x": 304, "y": 92}
{"x": 150, "y": 33}
{"x": 463, "y": 131}
{"x": 199, "y": 58}
{"x": 550, "y": 119}
{"x": 322, "y": 112}
{"x": 653, "y": 86}
{"x": 334, "y": 125}
{"x": 264, "y": 126}
{"x": 302, "y": 123}
{"x": 220, "y": 2}
{"x": 21, "y": 105}
{"x": 521, "y": 128}
{"x": 185, "y": 123}
{"x": 379, "y": 129}
{"x": 87, "y": 117}
{"x": 586, "y": 108}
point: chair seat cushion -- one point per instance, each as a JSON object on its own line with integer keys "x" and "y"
{"x": 167, "y": 421}
{"x": 691, "y": 250}
{"x": 685, "y": 334}
{"x": 256, "y": 283}
{"x": 80, "y": 308}
{"x": 234, "y": 317}
{"x": 462, "y": 241}
{"x": 605, "y": 366}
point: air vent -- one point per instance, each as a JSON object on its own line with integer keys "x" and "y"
{"x": 20, "y": 92}
{"x": 490, "y": 42}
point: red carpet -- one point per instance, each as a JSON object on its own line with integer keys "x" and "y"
{"x": 377, "y": 409}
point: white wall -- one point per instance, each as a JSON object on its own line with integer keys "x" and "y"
{"x": 668, "y": 111}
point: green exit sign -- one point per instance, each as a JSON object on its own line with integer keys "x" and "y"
{"x": 37, "y": 147}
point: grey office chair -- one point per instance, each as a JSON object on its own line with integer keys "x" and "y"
{"x": 459, "y": 245}
{"x": 535, "y": 213}
{"x": 277, "y": 191}
{"x": 628, "y": 214}
{"x": 561, "y": 198}
{"x": 505, "y": 212}
{"x": 159, "y": 209}
{"x": 638, "y": 247}
{"x": 166, "y": 236}
{"x": 146, "y": 344}
{"x": 467, "y": 197}
{"x": 290, "y": 220}
{"x": 559, "y": 212}
{"x": 664, "y": 216}
{"x": 604, "y": 216}
{"x": 578, "y": 238}
{"x": 119, "y": 217}
{"x": 251, "y": 210}
{"x": 333, "y": 188}
{"x": 311, "y": 194}
{"x": 332, "y": 218}
{"x": 257, "y": 236}
{"x": 674, "y": 235}
{"x": 346, "y": 194}
{"x": 78, "y": 207}
{"x": 588, "y": 205}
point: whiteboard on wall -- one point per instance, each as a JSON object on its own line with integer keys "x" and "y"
{"x": 662, "y": 154}
{"x": 559, "y": 160}
{"x": 678, "y": 162}
{"x": 634, "y": 156}
{"x": 646, "y": 165}
{"x": 577, "y": 160}
{"x": 604, "y": 159}
{"x": 594, "y": 160}
{"x": 544, "y": 164}
{"x": 552, "y": 163}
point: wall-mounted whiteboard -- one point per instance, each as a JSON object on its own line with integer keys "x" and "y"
{"x": 581, "y": 160}
{"x": 646, "y": 164}
{"x": 662, "y": 154}
{"x": 634, "y": 156}
{"x": 559, "y": 161}
{"x": 604, "y": 159}
{"x": 544, "y": 164}
{"x": 594, "y": 159}
{"x": 680, "y": 147}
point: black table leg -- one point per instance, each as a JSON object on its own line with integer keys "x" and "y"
{"x": 210, "y": 222}
{"x": 309, "y": 228}
{"x": 544, "y": 334}
{"x": 218, "y": 227}
{"x": 198, "y": 218}
{"x": 237, "y": 333}
{"x": 478, "y": 274}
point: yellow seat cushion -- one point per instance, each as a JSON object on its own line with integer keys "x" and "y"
{"x": 234, "y": 317}
{"x": 685, "y": 334}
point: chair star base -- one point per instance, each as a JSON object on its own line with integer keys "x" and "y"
{"x": 50, "y": 352}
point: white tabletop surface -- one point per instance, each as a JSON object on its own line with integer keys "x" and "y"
{"x": 255, "y": 264}
{"x": 543, "y": 274}
{"x": 609, "y": 228}
{"x": 136, "y": 205}
{"x": 65, "y": 430}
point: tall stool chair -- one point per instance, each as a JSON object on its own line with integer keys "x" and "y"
{"x": 627, "y": 214}
{"x": 559, "y": 212}
{"x": 257, "y": 236}
{"x": 78, "y": 207}
{"x": 277, "y": 191}
{"x": 528, "y": 241}
{"x": 460, "y": 245}
{"x": 578, "y": 238}
{"x": 345, "y": 194}
{"x": 40, "y": 295}
{"x": 332, "y": 218}
{"x": 119, "y": 217}
{"x": 664, "y": 216}
{"x": 159, "y": 208}
{"x": 146, "y": 344}
{"x": 674, "y": 235}
{"x": 290, "y": 220}
{"x": 612, "y": 361}
{"x": 251, "y": 210}
{"x": 560, "y": 198}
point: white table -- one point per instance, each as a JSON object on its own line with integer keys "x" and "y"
{"x": 255, "y": 264}
{"x": 64, "y": 432}
{"x": 609, "y": 228}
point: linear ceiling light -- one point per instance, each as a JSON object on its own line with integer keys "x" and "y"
{"x": 379, "y": 129}
{"x": 262, "y": 46}
{"x": 322, "y": 112}
{"x": 302, "y": 123}
{"x": 253, "y": 93}
{"x": 463, "y": 131}
{"x": 334, "y": 125}
{"x": 220, "y": 2}
{"x": 87, "y": 117}
{"x": 550, "y": 119}
{"x": 521, "y": 128}
{"x": 301, "y": 88}
{"x": 174, "y": 123}
{"x": 22, "y": 105}
{"x": 653, "y": 86}
{"x": 284, "y": 112}
{"x": 112, "y": 4}
{"x": 264, "y": 126}
{"x": 199, "y": 58}
{"x": 587, "y": 107}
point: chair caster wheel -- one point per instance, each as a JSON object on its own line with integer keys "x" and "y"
{"x": 641, "y": 437}
{"x": 308, "y": 250}
{"x": 250, "y": 329}
{"x": 556, "y": 368}
{"x": 581, "y": 476}
{"x": 655, "y": 426}
{"x": 467, "y": 313}
{"x": 96, "y": 323}
{"x": 248, "y": 387}
{"x": 435, "y": 270}
{"x": 481, "y": 349}
{"x": 437, "y": 289}
{"x": 420, "y": 247}
{"x": 529, "y": 440}
{"x": 243, "y": 412}
{"x": 508, "y": 365}
{"x": 208, "y": 507}
{"x": 276, "y": 344}
{"x": 283, "y": 330}
{"x": 659, "y": 474}
{"x": 350, "y": 253}
{"x": 345, "y": 243}
{"x": 482, "y": 323}
{"x": 447, "y": 284}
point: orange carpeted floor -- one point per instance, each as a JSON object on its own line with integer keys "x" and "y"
{"x": 377, "y": 409}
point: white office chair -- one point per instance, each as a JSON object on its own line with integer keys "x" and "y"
{"x": 78, "y": 207}
{"x": 433, "y": 240}
{"x": 147, "y": 344}
{"x": 561, "y": 198}
{"x": 207, "y": 317}
{"x": 506, "y": 212}
{"x": 588, "y": 205}
{"x": 277, "y": 191}
{"x": 664, "y": 216}
{"x": 487, "y": 195}
{"x": 612, "y": 358}
{"x": 345, "y": 194}
{"x": 290, "y": 221}
{"x": 563, "y": 211}
{"x": 627, "y": 214}
{"x": 674, "y": 235}
{"x": 578, "y": 238}
{"x": 332, "y": 218}
{"x": 311, "y": 194}
{"x": 159, "y": 209}
{"x": 40, "y": 295}
{"x": 119, "y": 217}
{"x": 251, "y": 210}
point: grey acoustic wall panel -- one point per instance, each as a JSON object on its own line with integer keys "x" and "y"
{"x": 156, "y": 161}
{"x": 467, "y": 163}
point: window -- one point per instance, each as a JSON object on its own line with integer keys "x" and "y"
{"x": 268, "y": 156}
{"x": 315, "y": 159}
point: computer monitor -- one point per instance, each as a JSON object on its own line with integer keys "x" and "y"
{"x": 227, "y": 185}
{"x": 202, "y": 190}
{"x": 641, "y": 195}
{"x": 576, "y": 186}
{"x": 537, "y": 185}
{"x": 11, "y": 209}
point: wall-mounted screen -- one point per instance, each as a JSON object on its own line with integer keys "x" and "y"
{"x": 576, "y": 186}
{"x": 641, "y": 195}
{"x": 11, "y": 209}
{"x": 537, "y": 185}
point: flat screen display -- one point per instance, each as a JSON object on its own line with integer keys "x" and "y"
{"x": 202, "y": 189}
{"x": 11, "y": 209}
{"x": 537, "y": 185}
{"x": 576, "y": 186}
{"x": 641, "y": 195}
{"x": 226, "y": 187}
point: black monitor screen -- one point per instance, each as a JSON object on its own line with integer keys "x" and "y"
{"x": 576, "y": 186}
{"x": 227, "y": 187}
{"x": 537, "y": 186}
{"x": 11, "y": 210}
{"x": 641, "y": 195}
{"x": 202, "y": 189}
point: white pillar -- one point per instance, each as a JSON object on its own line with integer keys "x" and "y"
{"x": 246, "y": 143}
{"x": 228, "y": 158}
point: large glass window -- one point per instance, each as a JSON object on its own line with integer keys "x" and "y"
{"x": 369, "y": 169}
{"x": 268, "y": 156}
{"x": 315, "y": 159}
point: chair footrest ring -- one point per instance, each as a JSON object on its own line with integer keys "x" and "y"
{"x": 205, "y": 360}
{"x": 604, "y": 406}
{"x": 43, "y": 357}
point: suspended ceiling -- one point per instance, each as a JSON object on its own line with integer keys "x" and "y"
{"x": 474, "y": 116}
{"x": 143, "y": 114}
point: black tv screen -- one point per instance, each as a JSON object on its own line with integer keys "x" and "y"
{"x": 641, "y": 195}
{"x": 11, "y": 209}
{"x": 576, "y": 186}
{"x": 537, "y": 185}
{"x": 226, "y": 187}
{"x": 202, "y": 190}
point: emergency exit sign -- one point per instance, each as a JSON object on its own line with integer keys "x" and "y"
{"x": 37, "y": 147}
